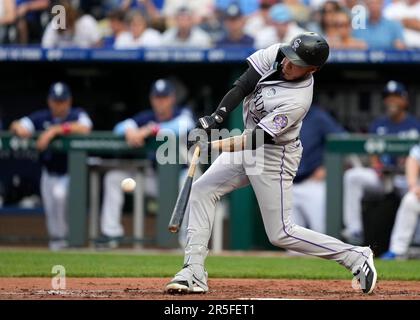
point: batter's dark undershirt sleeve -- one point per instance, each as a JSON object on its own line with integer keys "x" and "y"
{"x": 242, "y": 87}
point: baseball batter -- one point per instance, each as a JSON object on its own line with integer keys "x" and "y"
{"x": 277, "y": 90}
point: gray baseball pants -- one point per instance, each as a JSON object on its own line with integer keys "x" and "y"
{"x": 272, "y": 181}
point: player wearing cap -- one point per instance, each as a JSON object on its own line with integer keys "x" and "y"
{"x": 358, "y": 179}
{"x": 165, "y": 114}
{"x": 277, "y": 91}
{"x": 59, "y": 119}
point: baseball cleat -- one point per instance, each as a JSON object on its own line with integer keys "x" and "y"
{"x": 187, "y": 281}
{"x": 366, "y": 275}
{"x": 58, "y": 245}
{"x": 181, "y": 287}
{"x": 107, "y": 242}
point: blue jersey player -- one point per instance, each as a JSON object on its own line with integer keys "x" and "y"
{"x": 59, "y": 119}
{"x": 165, "y": 114}
{"x": 397, "y": 121}
{"x": 309, "y": 183}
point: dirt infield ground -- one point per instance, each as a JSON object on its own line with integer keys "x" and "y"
{"x": 152, "y": 288}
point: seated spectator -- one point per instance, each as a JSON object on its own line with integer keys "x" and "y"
{"x": 151, "y": 9}
{"x": 247, "y": 7}
{"x": 408, "y": 14}
{"x": 323, "y": 22}
{"x": 282, "y": 28}
{"x": 300, "y": 13}
{"x": 7, "y": 17}
{"x": 199, "y": 10}
{"x": 140, "y": 35}
{"x": 234, "y": 22}
{"x": 165, "y": 114}
{"x": 129, "y": 5}
{"x": 357, "y": 180}
{"x": 380, "y": 33}
{"x": 59, "y": 119}
{"x": 350, "y": 4}
{"x": 213, "y": 25}
{"x": 81, "y": 30}
{"x": 343, "y": 38}
{"x": 117, "y": 25}
{"x": 185, "y": 33}
{"x": 315, "y": 4}
{"x": 29, "y": 24}
{"x": 260, "y": 19}
{"x": 408, "y": 212}
{"x": 96, "y": 8}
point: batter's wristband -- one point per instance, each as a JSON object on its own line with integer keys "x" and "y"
{"x": 66, "y": 128}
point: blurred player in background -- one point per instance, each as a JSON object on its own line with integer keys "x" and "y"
{"x": 408, "y": 212}
{"x": 59, "y": 119}
{"x": 309, "y": 183}
{"x": 358, "y": 179}
{"x": 165, "y": 114}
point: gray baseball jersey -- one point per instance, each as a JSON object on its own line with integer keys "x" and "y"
{"x": 276, "y": 106}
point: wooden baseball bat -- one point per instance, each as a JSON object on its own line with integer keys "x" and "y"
{"x": 184, "y": 195}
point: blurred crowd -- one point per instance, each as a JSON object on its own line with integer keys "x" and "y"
{"x": 124, "y": 24}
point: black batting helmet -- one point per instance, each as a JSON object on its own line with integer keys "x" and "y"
{"x": 307, "y": 49}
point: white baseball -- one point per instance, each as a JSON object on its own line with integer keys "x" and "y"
{"x": 128, "y": 185}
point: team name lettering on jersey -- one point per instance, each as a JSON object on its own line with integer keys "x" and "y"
{"x": 258, "y": 105}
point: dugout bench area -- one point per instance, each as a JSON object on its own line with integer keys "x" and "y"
{"x": 113, "y": 87}
{"x": 86, "y": 162}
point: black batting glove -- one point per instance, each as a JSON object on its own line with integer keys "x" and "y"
{"x": 210, "y": 122}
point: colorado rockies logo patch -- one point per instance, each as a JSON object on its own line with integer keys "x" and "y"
{"x": 270, "y": 92}
{"x": 296, "y": 44}
{"x": 280, "y": 121}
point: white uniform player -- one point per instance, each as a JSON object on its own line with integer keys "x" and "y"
{"x": 165, "y": 114}
{"x": 278, "y": 88}
{"x": 357, "y": 180}
{"x": 59, "y": 119}
{"x": 408, "y": 212}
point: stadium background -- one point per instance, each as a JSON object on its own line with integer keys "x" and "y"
{"x": 113, "y": 87}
